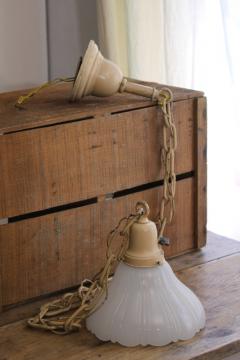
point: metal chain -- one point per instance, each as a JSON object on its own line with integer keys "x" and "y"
{"x": 90, "y": 293}
{"x": 167, "y": 205}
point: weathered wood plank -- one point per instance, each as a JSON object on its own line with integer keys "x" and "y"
{"x": 57, "y": 165}
{"x": 233, "y": 357}
{"x": 52, "y": 106}
{"x": 220, "y": 338}
{"x": 200, "y": 149}
{"x": 57, "y": 251}
{"x": 216, "y": 247}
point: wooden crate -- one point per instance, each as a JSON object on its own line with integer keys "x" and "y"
{"x": 69, "y": 172}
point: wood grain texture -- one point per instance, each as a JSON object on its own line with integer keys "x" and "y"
{"x": 56, "y": 251}
{"x": 57, "y": 165}
{"x": 216, "y": 248}
{"x": 200, "y": 149}
{"x": 220, "y": 338}
{"x": 52, "y": 106}
{"x": 233, "y": 357}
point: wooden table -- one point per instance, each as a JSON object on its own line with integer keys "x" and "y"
{"x": 213, "y": 273}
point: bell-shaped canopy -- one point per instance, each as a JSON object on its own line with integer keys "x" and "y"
{"x": 96, "y": 76}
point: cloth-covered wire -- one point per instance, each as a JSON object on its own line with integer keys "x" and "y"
{"x": 24, "y": 98}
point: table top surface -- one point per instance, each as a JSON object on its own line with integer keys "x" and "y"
{"x": 213, "y": 273}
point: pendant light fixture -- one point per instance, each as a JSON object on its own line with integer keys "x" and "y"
{"x": 144, "y": 303}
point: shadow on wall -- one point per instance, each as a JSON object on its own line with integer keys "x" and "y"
{"x": 71, "y": 24}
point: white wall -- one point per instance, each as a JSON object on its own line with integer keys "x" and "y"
{"x": 23, "y": 44}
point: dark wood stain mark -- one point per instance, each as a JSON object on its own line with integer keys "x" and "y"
{"x": 96, "y": 146}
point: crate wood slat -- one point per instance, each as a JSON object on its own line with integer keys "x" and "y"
{"x": 56, "y": 251}
{"x": 52, "y": 106}
{"x": 201, "y": 171}
{"x": 219, "y": 339}
{"x": 66, "y": 163}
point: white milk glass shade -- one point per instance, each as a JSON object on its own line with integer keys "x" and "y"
{"x": 147, "y": 306}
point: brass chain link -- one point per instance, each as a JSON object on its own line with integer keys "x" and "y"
{"x": 167, "y": 205}
{"x": 90, "y": 293}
